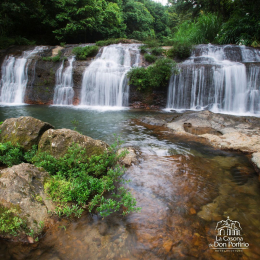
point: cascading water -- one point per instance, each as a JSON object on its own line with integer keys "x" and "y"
{"x": 64, "y": 93}
{"x": 104, "y": 81}
{"x": 220, "y": 78}
{"x": 15, "y": 77}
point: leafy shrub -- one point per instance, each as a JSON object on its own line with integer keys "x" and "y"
{"x": 18, "y": 40}
{"x": 157, "y": 51}
{"x": 83, "y": 52}
{"x": 14, "y": 154}
{"x": 55, "y": 58}
{"x": 152, "y": 42}
{"x": 112, "y": 41}
{"x": 204, "y": 30}
{"x": 180, "y": 50}
{"x": 240, "y": 29}
{"x": 85, "y": 181}
{"x": 150, "y": 58}
{"x": 143, "y": 48}
{"x": 77, "y": 181}
{"x": 154, "y": 76}
{"x": 10, "y": 154}
{"x": 207, "y": 28}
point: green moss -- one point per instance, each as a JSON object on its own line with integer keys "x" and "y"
{"x": 39, "y": 198}
{"x": 10, "y": 222}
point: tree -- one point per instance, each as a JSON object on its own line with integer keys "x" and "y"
{"x": 138, "y": 20}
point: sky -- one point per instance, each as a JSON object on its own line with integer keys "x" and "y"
{"x": 163, "y": 2}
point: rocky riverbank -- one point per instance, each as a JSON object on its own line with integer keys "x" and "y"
{"x": 25, "y": 204}
{"x": 227, "y": 132}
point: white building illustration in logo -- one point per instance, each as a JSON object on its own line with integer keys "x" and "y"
{"x": 228, "y": 228}
{"x": 229, "y": 237}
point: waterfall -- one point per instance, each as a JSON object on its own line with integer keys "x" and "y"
{"x": 104, "y": 81}
{"x": 64, "y": 93}
{"x": 253, "y": 98}
{"x": 15, "y": 77}
{"x": 220, "y": 78}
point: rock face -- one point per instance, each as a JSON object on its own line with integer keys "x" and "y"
{"x": 41, "y": 83}
{"x": 22, "y": 187}
{"x": 222, "y": 131}
{"x": 25, "y": 130}
{"x": 147, "y": 100}
{"x": 57, "y": 142}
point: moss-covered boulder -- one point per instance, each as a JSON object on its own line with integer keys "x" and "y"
{"x": 23, "y": 203}
{"x": 57, "y": 142}
{"x": 25, "y": 130}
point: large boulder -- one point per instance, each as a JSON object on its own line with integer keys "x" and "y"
{"x": 22, "y": 189}
{"x": 57, "y": 142}
{"x": 25, "y": 130}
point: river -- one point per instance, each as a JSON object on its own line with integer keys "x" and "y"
{"x": 184, "y": 188}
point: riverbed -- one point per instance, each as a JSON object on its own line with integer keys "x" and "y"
{"x": 184, "y": 188}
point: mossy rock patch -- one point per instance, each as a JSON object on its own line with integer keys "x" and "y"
{"x": 22, "y": 192}
{"x": 25, "y": 131}
{"x": 57, "y": 142}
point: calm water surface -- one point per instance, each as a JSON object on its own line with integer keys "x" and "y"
{"x": 184, "y": 189}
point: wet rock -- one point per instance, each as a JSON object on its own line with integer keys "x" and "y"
{"x": 57, "y": 142}
{"x": 103, "y": 228}
{"x": 147, "y": 100}
{"x": 153, "y": 121}
{"x": 189, "y": 128}
{"x": 167, "y": 245}
{"x": 256, "y": 158}
{"x": 192, "y": 211}
{"x": 25, "y": 130}
{"x": 97, "y": 241}
{"x": 41, "y": 82}
{"x": 222, "y": 131}
{"x": 22, "y": 189}
{"x": 130, "y": 158}
{"x": 56, "y": 50}
{"x": 30, "y": 240}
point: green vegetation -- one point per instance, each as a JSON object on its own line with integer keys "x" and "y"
{"x": 157, "y": 51}
{"x": 151, "y": 50}
{"x": 154, "y": 76}
{"x": 220, "y": 22}
{"x": 143, "y": 48}
{"x": 83, "y": 52}
{"x": 111, "y": 41}
{"x": 14, "y": 154}
{"x": 56, "y": 22}
{"x": 77, "y": 181}
{"x": 11, "y": 155}
{"x": 150, "y": 58}
{"x": 10, "y": 223}
{"x": 180, "y": 50}
{"x": 55, "y": 58}
{"x": 78, "y": 21}
{"x": 85, "y": 182}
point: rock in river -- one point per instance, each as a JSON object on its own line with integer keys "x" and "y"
{"x": 22, "y": 189}
{"x": 57, "y": 142}
{"x": 25, "y": 130}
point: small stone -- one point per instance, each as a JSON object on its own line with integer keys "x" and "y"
{"x": 192, "y": 211}
{"x": 167, "y": 245}
{"x": 30, "y": 240}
